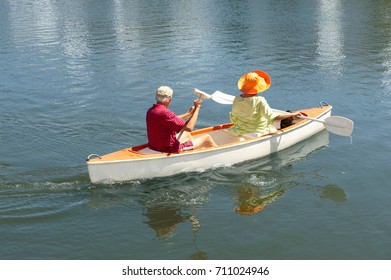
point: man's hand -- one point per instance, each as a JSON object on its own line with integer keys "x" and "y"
{"x": 191, "y": 110}
{"x": 198, "y": 102}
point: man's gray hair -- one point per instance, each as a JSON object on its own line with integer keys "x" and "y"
{"x": 163, "y": 93}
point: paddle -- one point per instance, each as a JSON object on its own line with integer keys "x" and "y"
{"x": 334, "y": 124}
{"x": 179, "y": 135}
{"x": 217, "y": 96}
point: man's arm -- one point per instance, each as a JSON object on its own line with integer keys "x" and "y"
{"x": 192, "y": 121}
{"x": 188, "y": 114}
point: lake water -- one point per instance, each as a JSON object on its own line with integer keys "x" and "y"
{"x": 77, "y": 77}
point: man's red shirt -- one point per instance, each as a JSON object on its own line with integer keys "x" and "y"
{"x": 162, "y": 127}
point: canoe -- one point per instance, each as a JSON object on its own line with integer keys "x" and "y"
{"x": 140, "y": 162}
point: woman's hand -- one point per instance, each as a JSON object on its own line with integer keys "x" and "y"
{"x": 296, "y": 115}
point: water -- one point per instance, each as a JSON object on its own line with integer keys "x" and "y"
{"x": 78, "y": 76}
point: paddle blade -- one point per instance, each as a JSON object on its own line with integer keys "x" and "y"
{"x": 339, "y": 125}
{"x": 222, "y": 98}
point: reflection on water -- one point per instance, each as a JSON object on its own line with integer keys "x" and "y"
{"x": 163, "y": 219}
{"x": 387, "y": 65}
{"x": 166, "y": 204}
{"x": 330, "y": 36}
{"x": 167, "y": 207}
{"x": 386, "y": 52}
{"x": 330, "y": 192}
{"x": 252, "y": 200}
{"x": 289, "y": 156}
{"x": 333, "y": 193}
{"x": 258, "y": 183}
{"x": 267, "y": 179}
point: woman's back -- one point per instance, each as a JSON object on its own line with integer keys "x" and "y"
{"x": 251, "y": 114}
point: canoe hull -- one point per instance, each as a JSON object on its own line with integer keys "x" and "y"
{"x": 116, "y": 168}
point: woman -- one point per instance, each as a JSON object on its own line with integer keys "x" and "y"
{"x": 251, "y": 113}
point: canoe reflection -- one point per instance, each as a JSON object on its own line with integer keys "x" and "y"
{"x": 256, "y": 193}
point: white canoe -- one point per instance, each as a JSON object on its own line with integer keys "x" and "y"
{"x": 140, "y": 162}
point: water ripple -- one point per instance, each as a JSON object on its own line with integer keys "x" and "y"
{"x": 40, "y": 201}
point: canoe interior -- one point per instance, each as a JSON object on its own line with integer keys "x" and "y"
{"x": 218, "y": 133}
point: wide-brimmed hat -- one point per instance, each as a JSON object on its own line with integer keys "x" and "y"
{"x": 254, "y": 82}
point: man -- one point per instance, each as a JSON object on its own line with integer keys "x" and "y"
{"x": 170, "y": 133}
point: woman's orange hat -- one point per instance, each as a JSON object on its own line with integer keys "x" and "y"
{"x": 254, "y": 82}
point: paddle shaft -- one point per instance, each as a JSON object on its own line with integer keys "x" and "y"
{"x": 187, "y": 122}
{"x": 321, "y": 121}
